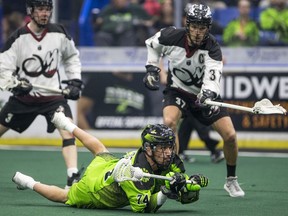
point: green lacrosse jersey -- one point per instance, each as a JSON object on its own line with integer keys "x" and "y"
{"x": 97, "y": 188}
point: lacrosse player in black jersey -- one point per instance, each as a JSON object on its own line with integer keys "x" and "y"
{"x": 32, "y": 55}
{"x": 194, "y": 73}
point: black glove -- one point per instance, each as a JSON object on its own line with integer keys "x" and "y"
{"x": 171, "y": 188}
{"x": 186, "y": 197}
{"x": 200, "y": 180}
{"x": 73, "y": 89}
{"x": 152, "y": 77}
{"x": 23, "y": 88}
{"x": 208, "y": 111}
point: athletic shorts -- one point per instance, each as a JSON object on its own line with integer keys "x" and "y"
{"x": 18, "y": 116}
{"x": 97, "y": 188}
{"x": 186, "y": 103}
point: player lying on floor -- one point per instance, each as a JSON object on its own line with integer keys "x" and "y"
{"x": 98, "y": 187}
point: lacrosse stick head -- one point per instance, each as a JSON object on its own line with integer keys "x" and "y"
{"x": 265, "y": 106}
{"x": 124, "y": 171}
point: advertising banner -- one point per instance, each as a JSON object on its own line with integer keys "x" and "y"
{"x": 247, "y": 88}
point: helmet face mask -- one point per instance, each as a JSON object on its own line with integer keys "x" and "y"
{"x": 158, "y": 141}
{"x": 198, "y": 16}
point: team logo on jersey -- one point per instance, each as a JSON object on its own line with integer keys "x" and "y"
{"x": 35, "y": 66}
{"x": 8, "y": 117}
{"x": 188, "y": 62}
{"x": 190, "y": 78}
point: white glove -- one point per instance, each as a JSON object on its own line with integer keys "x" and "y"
{"x": 62, "y": 122}
{"x": 8, "y": 83}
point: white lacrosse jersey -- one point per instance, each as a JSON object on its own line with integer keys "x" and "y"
{"x": 38, "y": 57}
{"x": 189, "y": 69}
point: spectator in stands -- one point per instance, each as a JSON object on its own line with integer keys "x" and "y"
{"x": 12, "y": 20}
{"x": 166, "y": 16}
{"x": 234, "y": 3}
{"x": 121, "y": 23}
{"x": 242, "y": 31}
{"x": 153, "y": 7}
{"x": 275, "y": 19}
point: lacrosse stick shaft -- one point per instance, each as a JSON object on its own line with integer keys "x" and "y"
{"x": 59, "y": 91}
{"x": 149, "y": 175}
{"x": 231, "y": 106}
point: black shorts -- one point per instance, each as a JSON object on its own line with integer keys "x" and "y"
{"x": 186, "y": 103}
{"x": 18, "y": 116}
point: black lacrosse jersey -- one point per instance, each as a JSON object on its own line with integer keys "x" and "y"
{"x": 189, "y": 69}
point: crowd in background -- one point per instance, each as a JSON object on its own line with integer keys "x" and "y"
{"x": 253, "y": 22}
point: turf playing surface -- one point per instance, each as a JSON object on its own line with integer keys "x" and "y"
{"x": 264, "y": 179}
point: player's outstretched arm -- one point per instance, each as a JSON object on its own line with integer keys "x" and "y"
{"x": 90, "y": 142}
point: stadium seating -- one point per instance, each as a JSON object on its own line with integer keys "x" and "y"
{"x": 86, "y": 32}
{"x": 90, "y": 8}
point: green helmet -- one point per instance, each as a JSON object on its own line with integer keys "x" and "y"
{"x": 158, "y": 134}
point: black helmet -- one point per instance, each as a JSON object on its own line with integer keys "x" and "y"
{"x": 30, "y": 4}
{"x": 157, "y": 134}
{"x": 198, "y": 13}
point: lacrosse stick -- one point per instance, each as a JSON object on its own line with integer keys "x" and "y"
{"x": 59, "y": 91}
{"x": 263, "y": 106}
{"x": 124, "y": 171}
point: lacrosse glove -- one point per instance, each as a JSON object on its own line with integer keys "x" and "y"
{"x": 172, "y": 187}
{"x": 200, "y": 180}
{"x": 190, "y": 193}
{"x": 23, "y": 87}
{"x": 208, "y": 111}
{"x": 152, "y": 77}
{"x": 73, "y": 89}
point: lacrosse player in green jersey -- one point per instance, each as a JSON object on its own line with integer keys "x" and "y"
{"x": 105, "y": 186}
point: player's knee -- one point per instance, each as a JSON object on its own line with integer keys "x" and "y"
{"x": 170, "y": 122}
{"x": 68, "y": 142}
{"x": 230, "y": 137}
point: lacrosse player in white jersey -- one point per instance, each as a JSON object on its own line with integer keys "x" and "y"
{"x": 194, "y": 73}
{"x": 32, "y": 55}
{"x": 105, "y": 185}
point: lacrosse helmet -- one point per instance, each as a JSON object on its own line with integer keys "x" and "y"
{"x": 198, "y": 14}
{"x": 158, "y": 135}
{"x": 30, "y": 7}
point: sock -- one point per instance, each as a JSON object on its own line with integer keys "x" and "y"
{"x": 31, "y": 184}
{"x": 70, "y": 127}
{"x": 231, "y": 170}
{"x": 70, "y": 171}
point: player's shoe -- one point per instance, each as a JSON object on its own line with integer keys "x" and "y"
{"x": 233, "y": 188}
{"x": 185, "y": 158}
{"x": 22, "y": 181}
{"x": 74, "y": 178}
{"x": 217, "y": 157}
